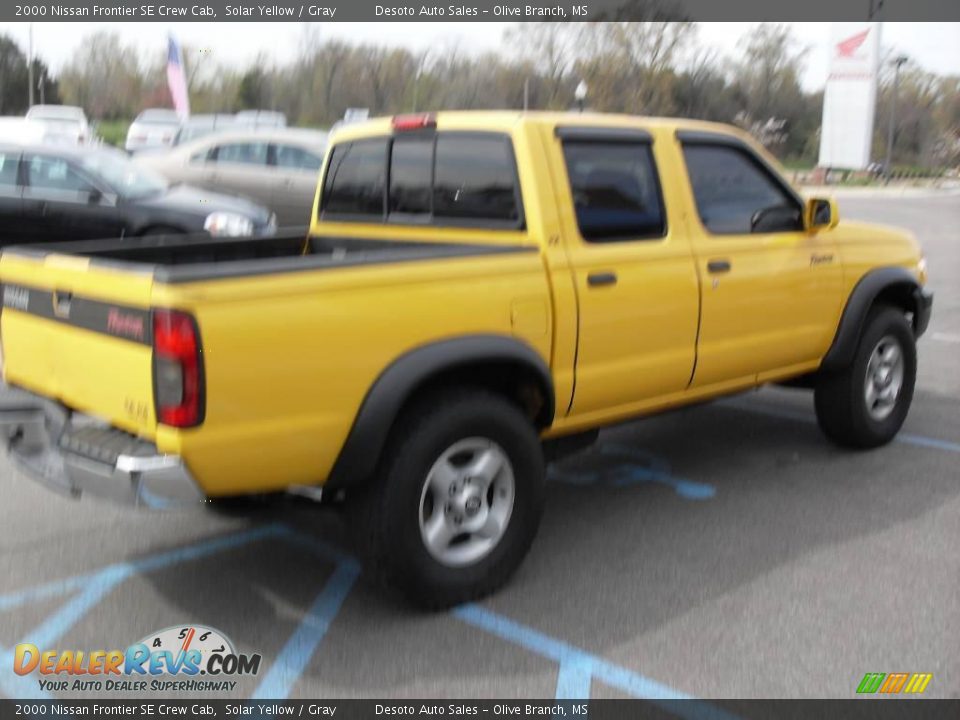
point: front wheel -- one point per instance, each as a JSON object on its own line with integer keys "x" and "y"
{"x": 458, "y": 500}
{"x": 864, "y": 405}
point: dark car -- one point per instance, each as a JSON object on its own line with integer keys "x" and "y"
{"x": 53, "y": 193}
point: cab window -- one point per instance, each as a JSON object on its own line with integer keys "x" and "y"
{"x": 446, "y": 178}
{"x": 616, "y": 192}
{"x": 411, "y": 170}
{"x": 733, "y": 192}
{"x": 475, "y": 178}
{"x": 356, "y": 177}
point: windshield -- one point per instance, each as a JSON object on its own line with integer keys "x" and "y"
{"x": 126, "y": 177}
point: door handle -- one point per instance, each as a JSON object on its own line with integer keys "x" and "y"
{"x": 718, "y": 266}
{"x": 601, "y": 278}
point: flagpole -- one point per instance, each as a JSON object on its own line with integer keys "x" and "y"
{"x": 30, "y": 67}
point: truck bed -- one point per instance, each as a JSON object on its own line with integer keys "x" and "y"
{"x": 193, "y": 258}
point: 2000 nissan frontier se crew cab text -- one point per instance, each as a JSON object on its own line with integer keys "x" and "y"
{"x": 477, "y": 292}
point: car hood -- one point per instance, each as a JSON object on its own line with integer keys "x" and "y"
{"x": 200, "y": 202}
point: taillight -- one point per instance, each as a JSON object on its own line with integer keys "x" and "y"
{"x": 419, "y": 121}
{"x": 177, "y": 368}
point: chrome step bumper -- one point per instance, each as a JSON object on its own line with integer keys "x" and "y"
{"x": 72, "y": 455}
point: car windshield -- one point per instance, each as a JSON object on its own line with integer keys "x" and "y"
{"x": 130, "y": 180}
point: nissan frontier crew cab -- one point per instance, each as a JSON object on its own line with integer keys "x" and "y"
{"x": 477, "y": 292}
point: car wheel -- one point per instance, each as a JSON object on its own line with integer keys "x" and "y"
{"x": 458, "y": 499}
{"x": 865, "y": 404}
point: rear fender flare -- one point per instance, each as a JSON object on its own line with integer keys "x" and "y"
{"x": 404, "y": 376}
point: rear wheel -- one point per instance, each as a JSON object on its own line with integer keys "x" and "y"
{"x": 864, "y": 405}
{"x": 458, "y": 500}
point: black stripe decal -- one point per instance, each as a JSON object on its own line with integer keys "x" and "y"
{"x": 119, "y": 321}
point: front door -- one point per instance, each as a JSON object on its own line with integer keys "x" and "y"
{"x": 61, "y": 202}
{"x": 771, "y": 291}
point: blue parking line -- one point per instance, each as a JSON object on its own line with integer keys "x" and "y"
{"x": 300, "y": 648}
{"x": 786, "y": 414}
{"x": 640, "y": 466}
{"x": 147, "y": 564}
{"x": 573, "y": 680}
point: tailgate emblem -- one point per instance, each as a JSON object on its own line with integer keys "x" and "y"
{"x": 17, "y": 298}
{"x": 61, "y": 304}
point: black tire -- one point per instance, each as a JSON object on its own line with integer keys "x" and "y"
{"x": 840, "y": 398}
{"x": 387, "y": 514}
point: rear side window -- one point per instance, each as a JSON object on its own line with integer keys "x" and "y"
{"x": 730, "y": 187}
{"x": 50, "y": 173}
{"x": 475, "y": 179}
{"x": 453, "y": 178}
{"x": 8, "y": 169}
{"x": 356, "y": 178}
{"x": 295, "y": 158}
{"x": 616, "y": 192}
{"x": 242, "y": 153}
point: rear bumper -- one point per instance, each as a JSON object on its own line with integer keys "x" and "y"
{"x": 71, "y": 455}
{"x": 923, "y": 299}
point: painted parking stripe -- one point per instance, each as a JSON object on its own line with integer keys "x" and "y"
{"x": 161, "y": 560}
{"x": 787, "y": 414}
{"x": 577, "y": 666}
{"x": 302, "y": 645}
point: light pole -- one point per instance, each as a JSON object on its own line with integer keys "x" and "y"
{"x": 580, "y": 94}
{"x": 897, "y": 63}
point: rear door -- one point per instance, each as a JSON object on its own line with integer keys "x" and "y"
{"x": 634, "y": 274}
{"x": 293, "y": 172}
{"x": 10, "y": 197}
{"x": 239, "y": 168}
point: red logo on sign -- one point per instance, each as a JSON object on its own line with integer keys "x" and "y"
{"x": 846, "y": 48}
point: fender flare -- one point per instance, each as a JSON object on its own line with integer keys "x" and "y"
{"x": 396, "y": 384}
{"x": 864, "y": 294}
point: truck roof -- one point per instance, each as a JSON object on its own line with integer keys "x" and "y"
{"x": 508, "y": 120}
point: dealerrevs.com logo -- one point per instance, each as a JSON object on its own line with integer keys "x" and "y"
{"x": 180, "y": 658}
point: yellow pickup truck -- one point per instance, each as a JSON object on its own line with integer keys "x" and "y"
{"x": 477, "y": 293}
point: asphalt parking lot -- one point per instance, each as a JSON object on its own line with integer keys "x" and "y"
{"x": 725, "y": 550}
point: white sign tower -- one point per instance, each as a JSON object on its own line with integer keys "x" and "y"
{"x": 850, "y": 97}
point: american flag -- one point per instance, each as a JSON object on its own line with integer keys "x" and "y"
{"x": 177, "y": 80}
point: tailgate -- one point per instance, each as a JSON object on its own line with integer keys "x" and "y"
{"x": 80, "y": 334}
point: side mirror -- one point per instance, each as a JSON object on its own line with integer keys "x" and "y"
{"x": 94, "y": 196}
{"x": 821, "y": 214}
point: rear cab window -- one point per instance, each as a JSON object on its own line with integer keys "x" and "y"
{"x": 439, "y": 178}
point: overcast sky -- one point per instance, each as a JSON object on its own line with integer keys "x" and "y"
{"x": 935, "y": 46}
